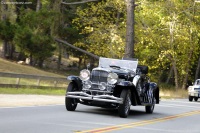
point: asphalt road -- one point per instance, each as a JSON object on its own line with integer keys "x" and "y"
{"x": 170, "y": 116}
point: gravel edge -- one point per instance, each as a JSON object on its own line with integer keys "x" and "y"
{"x": 8, "y": 100}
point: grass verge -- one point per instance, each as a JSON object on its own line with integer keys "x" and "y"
{"x": 168, "y": 91}
{"x": 168, "y": 94}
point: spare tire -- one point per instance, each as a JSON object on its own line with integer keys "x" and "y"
{"x": 143, "y": 69}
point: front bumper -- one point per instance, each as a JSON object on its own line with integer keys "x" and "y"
{"x": 102, "y": 98}
{"x": 194, "y": 94}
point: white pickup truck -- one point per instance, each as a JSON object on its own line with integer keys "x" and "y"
{"x": 194, "y": 91}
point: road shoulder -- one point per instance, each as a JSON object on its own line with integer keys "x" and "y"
{"x": 8, "y": 100}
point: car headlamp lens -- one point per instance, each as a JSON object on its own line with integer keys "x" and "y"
{"x": 112, "y": 78}
{"x": 84, "y": 75}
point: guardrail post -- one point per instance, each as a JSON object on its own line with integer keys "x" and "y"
{"x": 55, "y": 83}
{"x": 38, "y": 82}
{"x": 17, "y": 82}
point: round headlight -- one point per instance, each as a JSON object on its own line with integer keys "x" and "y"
{"x": 84, "y": 75}
{"x": 112, "y": 78}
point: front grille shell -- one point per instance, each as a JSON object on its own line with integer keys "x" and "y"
{"x": 98, "y": 76}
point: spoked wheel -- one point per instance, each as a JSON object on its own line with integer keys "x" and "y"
{"x": 124, "y": 108}
{"x": 149, "y": 109}
{"x": 70, "y": 103}
{"x": 195, "y": 98}
{"x": 190, "y": 98}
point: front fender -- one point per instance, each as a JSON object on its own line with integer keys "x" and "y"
{"x": 125, "y": 83}
{"x": 76, "y": 80}
{"x": 136, "y": 79}
{"x": 129, "y": 85}
{"x": 155, "y": 88}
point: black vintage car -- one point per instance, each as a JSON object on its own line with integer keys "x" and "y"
{"x": 113, "y": 84}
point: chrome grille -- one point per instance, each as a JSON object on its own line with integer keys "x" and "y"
{"x": 198, "y": 89}
{"x": 99, "y": 76}
{"x": 95, "y": 86}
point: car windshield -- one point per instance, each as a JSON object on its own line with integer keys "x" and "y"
{"x": 197, "y": 82}
{"x": 126, "y": 64}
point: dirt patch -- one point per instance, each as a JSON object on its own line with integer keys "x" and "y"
{"x": 7, "y": 100}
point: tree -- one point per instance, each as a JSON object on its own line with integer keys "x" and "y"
{"x": 129, "y": 48}
{"x": 7, "y": 34}
{"x": 102, "y": 25}
{"x": 3, "y": 18}
{"x": 33, "y": 36}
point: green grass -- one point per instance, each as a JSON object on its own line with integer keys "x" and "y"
{"x": 169, "y": 91}
{"x": 174, "y": 93}
{"x": 13, "y": 67}
{"x": 33, "y": 82}
{"x": 49, "y": 91}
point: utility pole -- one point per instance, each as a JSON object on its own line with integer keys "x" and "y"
{"x": 129, "y": 48}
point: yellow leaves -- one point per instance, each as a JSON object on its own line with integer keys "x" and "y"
{"x": 89, "y": 29}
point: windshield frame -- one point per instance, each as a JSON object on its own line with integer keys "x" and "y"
{"x": 125, "y": 64}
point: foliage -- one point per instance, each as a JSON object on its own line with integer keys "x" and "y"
{"x": 33, "y": 34}
{"x": 103, "y": 26}
{"x": 7, "y": 30}
{"x": 166, "y": 33}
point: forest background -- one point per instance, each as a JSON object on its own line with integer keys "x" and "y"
{"x": 167, "y": 34}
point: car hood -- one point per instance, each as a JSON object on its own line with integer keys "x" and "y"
{"x": 119, "y": 72}
{"x": 196, "y": 86}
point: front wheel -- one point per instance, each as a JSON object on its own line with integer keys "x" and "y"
{"x": 149, "y": 109}
{"x": 190, "y": 98}
{"x": 124, "y": 108}
{"x": 70, "y": 103}
{"x": 196, "y": 99}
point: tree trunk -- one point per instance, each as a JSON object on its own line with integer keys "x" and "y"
{"x": 76, "y": 48}
{"x": 169, "y": 75}
{"x": 4, "y": 9}
{"x": 129, "y": 48}
{"x": 31, "y": 59}
{"x": 38, "y": 6}
{"x": 175, "y": 74}
{"x": 197, "y": 70}
{"x": 40, "y": 63}
{"x": 59, "y": 56}
{"x": 79, "y": 62}
{"x": 185, "y": 80}
{"x": 9, "y": 49}
{"x": 5, "y": 49}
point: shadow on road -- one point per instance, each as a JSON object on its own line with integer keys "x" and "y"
{"x": 113, "y": 112}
